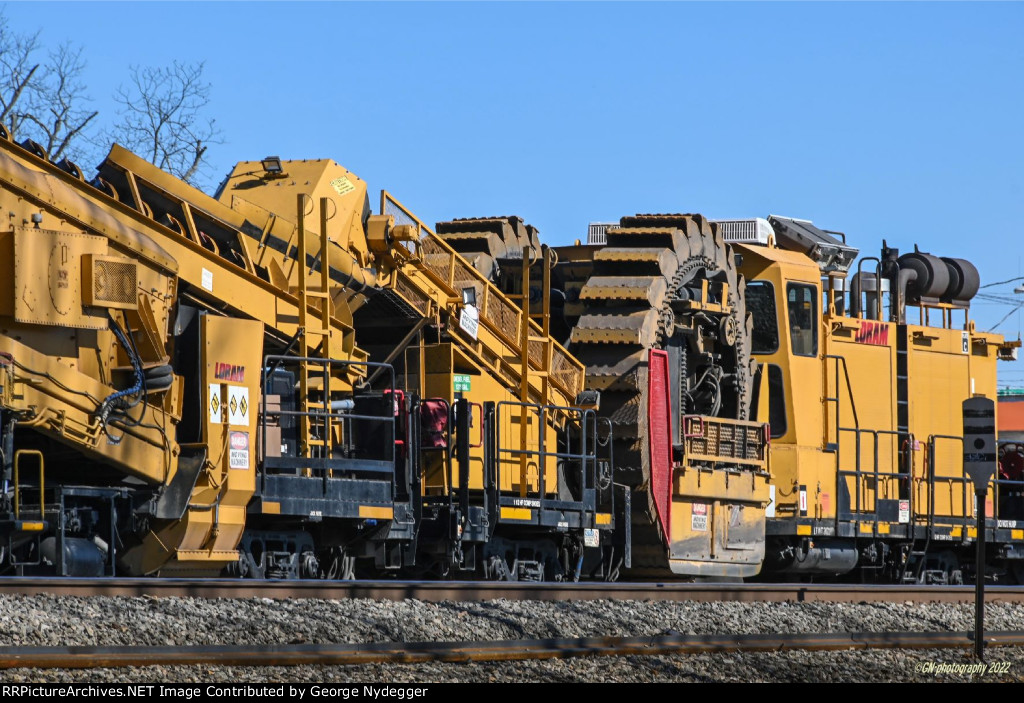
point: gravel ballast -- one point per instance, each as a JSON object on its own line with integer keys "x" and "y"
{"x": 67, "y": 621}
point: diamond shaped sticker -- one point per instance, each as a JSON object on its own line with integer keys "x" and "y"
{"x": 233, "y": 405}
{"x": 243, "y": 406}
{"x": 215, "y": 404}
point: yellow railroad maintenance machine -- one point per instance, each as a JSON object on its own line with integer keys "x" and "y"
{"x": 282, "y": 381}
{"x": 276, "y": 382}
{"x": 867, "y": 373}
{"x": 774, "y": 410}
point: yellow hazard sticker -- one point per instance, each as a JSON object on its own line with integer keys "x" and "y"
{"x": 216, "y": 404}
{"x": 238, "y": 405}
{"x": 342, "y": 185}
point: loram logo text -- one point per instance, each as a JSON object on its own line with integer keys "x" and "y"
{"x": 229, "y": 372}
{"x": 873, "y": 333}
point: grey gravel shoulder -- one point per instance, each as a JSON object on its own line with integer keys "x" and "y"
{"x": 67, "y": 621}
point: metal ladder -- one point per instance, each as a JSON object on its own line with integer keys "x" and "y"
{"x": 525, "y": 340}
{"x": 920, "y": 554}
{"x": 314, "y": 339}
{"x": 19, "y": 565}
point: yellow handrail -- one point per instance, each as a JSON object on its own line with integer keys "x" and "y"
{"x": 567, "y": 364}
{"x": 17, "y": 465}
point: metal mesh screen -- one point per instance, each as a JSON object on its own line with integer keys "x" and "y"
{"x": 564, "y": 373}
{"x": 435, "y": 257}
{"x": 114, "y": 282}
{"x": 504, "y": 316}
{"x": 400, "y": 215}
{"x": 726, "y": 439}
{"x": 416, "y": 298}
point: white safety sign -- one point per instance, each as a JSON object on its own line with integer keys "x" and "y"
{"x": 238, "y": 450}
{"x": 238, "y": 405}
{"x": 469, "y": 320}
{"x": 699, "y": 519}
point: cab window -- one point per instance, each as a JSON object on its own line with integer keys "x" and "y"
{"x": 802, "y": 304}
{"x": 761, "y": 302}
{"x": 776, "y": 402}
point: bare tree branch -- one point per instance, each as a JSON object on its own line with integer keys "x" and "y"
{"x": 160, "y": 114}
{"x": 160, "y": 117}
{"x": 43, "y": 101}
{"x": 61, "y": 94}
{"x": 19, "y": 77}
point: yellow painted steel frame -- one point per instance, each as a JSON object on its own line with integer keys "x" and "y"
{"x": 798, "y": 458}
{"x": 62, "y": 355}
{"x": 443, "y": 363}
{"x": 719, "y": 494}
{"x": 57, "y": 377}
{"x": 206, "y": 537}
{"x": 224, "y": 283}
{"x": 846, "y": 428}
{"x": 507, "y": 356}
{"x": 946, "y": 366}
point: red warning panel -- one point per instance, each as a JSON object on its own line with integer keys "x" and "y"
{"x": 659, "y": 422}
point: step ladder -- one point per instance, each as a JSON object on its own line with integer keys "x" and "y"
{"x": 36, "y": 526}
{"x": 917, "y": 556}
{"x": 314, "y": 338}
{"x": 525, "y": 340}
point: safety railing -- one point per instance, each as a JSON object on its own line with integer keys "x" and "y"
{"x": 351, "y": 432}
{"x": 878, "y": 477}
{"x": 961, "y": 482}
{"x": 41, "y": 467}
{"x": 446, "y": 268}
{"x": 862, "y": 506}
{"x": 586, "y": 442}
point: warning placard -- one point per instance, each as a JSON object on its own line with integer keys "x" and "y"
{"x": 342, "y": 185}
{"x": 238, "y": 405}
{"x": 699, "y": 519}
{"x": 238, "y": 450}
{"x": 461, "y": 382}
{"x": 216, "y": 404}
{"x": 469, "y": 320}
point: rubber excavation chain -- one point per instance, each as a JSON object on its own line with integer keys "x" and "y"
{"x": 661, "y": 282}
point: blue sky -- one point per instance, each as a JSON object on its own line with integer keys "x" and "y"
{"x": 901, "y": 121}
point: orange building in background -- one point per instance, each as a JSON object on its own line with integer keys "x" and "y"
{"x": 1010, "y": 415}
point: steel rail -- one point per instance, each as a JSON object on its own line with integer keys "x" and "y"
{"x": 483, "y": 590}
{"x": 500, "y": 650}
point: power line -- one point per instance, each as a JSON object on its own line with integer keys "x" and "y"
{"x": 999, "y": 283}
{"x": 998, "y": 299}
{"x": 1019, "y": 306}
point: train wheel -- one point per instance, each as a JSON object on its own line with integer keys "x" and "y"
{"x": 336, "y": 565}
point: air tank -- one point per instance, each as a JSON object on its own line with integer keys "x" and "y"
{"x": 964, "y": 280}
{"x": 932, "y": 277}
{"x": 941, "y": 278}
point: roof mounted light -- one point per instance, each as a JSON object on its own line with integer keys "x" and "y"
{"x": 272, "y": 165}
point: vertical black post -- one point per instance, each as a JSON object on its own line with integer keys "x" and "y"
{"x": 980, "y": 466}
{"x": 979, "y": 580}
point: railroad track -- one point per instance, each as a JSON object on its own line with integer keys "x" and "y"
{"x": 499, "y": 650}
{"x": 479, "y": 590}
